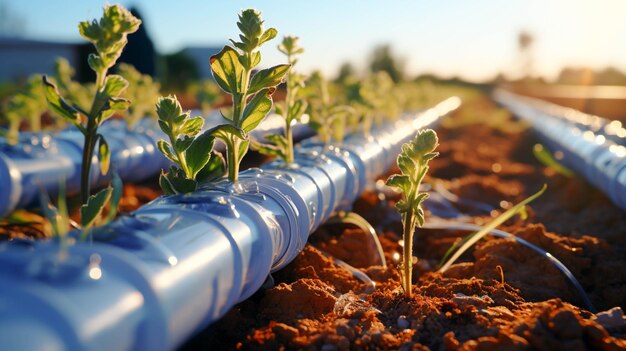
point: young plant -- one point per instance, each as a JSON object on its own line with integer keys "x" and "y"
{"x": 293, "y": 107}
{"x": 191, "y": 151}
{"x": 109, "y": 36}
{"x": 232, "y": 69}
{"x": 326, "y": 118}
{"x": 142, "y": 90}
{"x": 27, "y": 105}
{"x": 413, "y": 164}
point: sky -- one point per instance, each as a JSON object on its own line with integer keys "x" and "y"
{"x": 474, "y": 40}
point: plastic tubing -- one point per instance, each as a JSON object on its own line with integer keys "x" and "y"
{"x": 151, "y": 279}
{"x": 40, "y": 161}
{"x": 591, "y": 151}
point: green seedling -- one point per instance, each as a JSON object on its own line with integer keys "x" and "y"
{"x": 460, "y": 247}
{"x": 544, "y": 156}
{"x": 28, "y": 105}
{"x": 291, "y": 110}
{"x": 413, "y": 164}
{"x": 109, "y": 36}
{"x": 142, "y": 90}
{"x": 189, "y": 149}
{"x": 326, "y": 118}
{"x": 232, "y": 69}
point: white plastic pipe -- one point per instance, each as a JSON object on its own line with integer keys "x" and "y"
{"x": 152, "y": 279}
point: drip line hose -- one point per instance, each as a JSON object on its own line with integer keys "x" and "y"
{"x": 152, "y": 279}
{"x": 43, "y": 160}
{"x": 502, "y": 234}
{"x": 595, "y": 150}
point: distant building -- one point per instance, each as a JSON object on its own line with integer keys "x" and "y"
{"x": 20, "y": 58}
{"x": 201, "y": 56}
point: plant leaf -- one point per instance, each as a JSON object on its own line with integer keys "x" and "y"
{"x": 224, "y": 131}
{"x": 256, "y": 110}
{"x": 114, "y": 85}
{"x": 199, "y": 152}
{"x": 182, "y": 143}
{"x": 165, "y": 184}
{"x": 165, "y": 149}
{"x": 227, "y": 70}
{"x": 92, "y": 210}
{"x": 116, "y": 196}
{"x": 192, "y": 126}
{"x": 400, "y": 182}
{"x": 104, "y": 154}
{"x": 268, "y": 35}
{"x": 214, "y": 169}
{"x": 58, "y": 105}
{"x": 267, "y": 78}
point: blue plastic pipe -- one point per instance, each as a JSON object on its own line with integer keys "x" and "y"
{"x": 150, "y": 280}
{"x": 42, "y": 161}
{"x": 594, "y": 148}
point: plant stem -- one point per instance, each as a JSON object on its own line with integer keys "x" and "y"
{"x": 85, "y": 167}
{"x": 407, "y": 256}
{"x": 289, "y": 137}
{"x": 232, "y": 156}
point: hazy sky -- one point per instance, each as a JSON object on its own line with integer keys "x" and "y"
{"x": 473, "y": 39}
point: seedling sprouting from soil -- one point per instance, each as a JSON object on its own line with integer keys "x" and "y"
{"x": 142, "y": 90}
{"x": 189, "y": 149}
{"x": 232, "y": 69}
{"x": 109, "y": 36}
{"x": 544, "y": 156}
{"x": 413, "y": 163}
{"x": 291, "y": 110}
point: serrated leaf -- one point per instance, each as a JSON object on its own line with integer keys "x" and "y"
{"x": 180, "y": 184}
{"x": 57, "y": 104}
{"x": 267, "y": 78}
{"x": 192, "y": 126}
{"x": 227, "y": 70}
{"x": 256, "y": 110}
{"x": 199, "y": 152}
{"x": 214, "y": 169}
{"x": 104, "y": 155}
{"x": 114, "y": 85}
{"x": 400, "y": 182}
{"x": 268, "y": 35}
{"x": 165, "y": 184}
{"x": 92, "y": 210}
{"x": 406, "y": 164}
{"x": 168, "y": 108}
{"x": 165, "y": 127}
{"x": 165, "y": 149}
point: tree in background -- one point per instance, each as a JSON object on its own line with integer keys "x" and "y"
{"x": 382, "y": 59}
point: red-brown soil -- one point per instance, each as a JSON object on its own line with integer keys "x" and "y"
{"x": 499, "y": 296}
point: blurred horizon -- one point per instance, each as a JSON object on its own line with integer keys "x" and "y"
{"x": 475, "y": 41}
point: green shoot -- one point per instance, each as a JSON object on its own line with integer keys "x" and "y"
{"x": 91, "y": 211}
{"x": 326, "y": 118}
{"x": 460, "y": 247}
{"x": 109, "y": 36}
{"x": 545, "y": 157}
{"x": 232, "y": 69}
{"x": 293, "y": 107}
{"x": 413, "y": 163}
{"x": 142, "y": 91}
{"x": 191, "y": 151}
